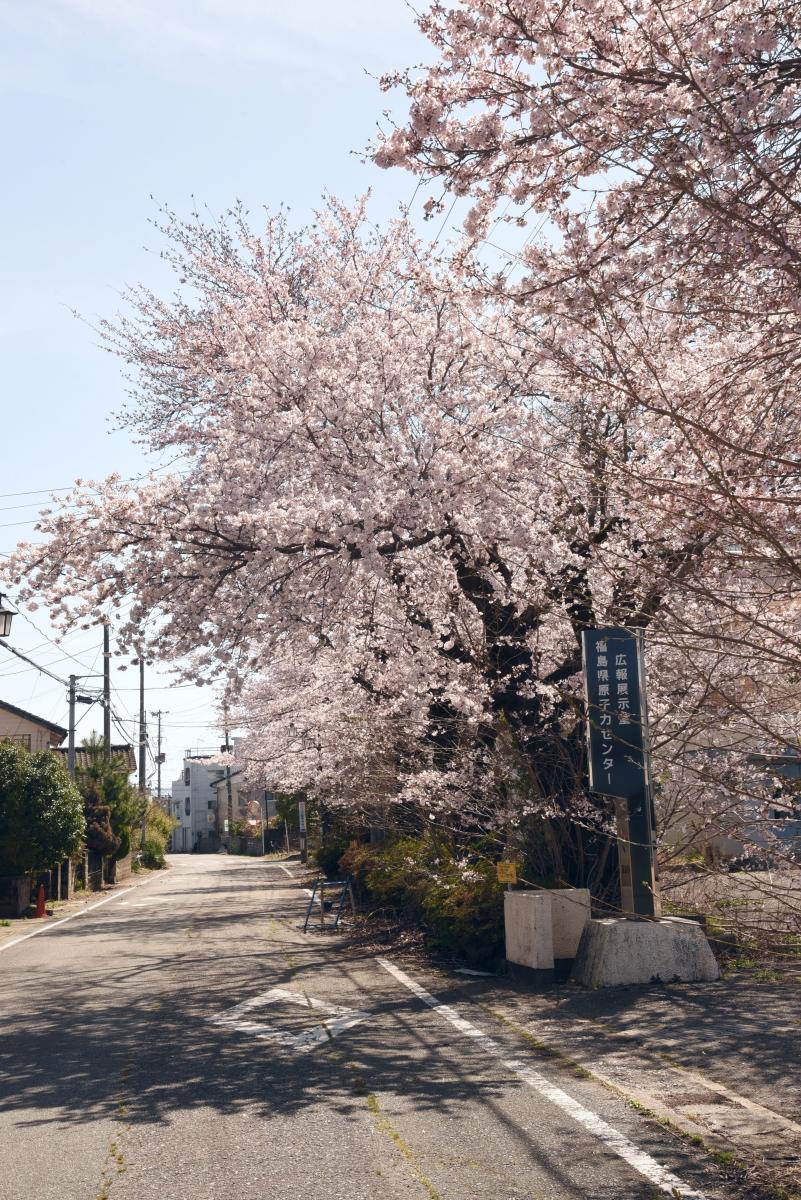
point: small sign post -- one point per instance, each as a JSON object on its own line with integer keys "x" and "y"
{"x": 506, "y": 872}
{"x": 302, "y": 832}
{"x": 619, "y": 767}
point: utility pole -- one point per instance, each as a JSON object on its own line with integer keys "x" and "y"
{"x": 106, "y": 691}
{"x": 142, "y": 727}
{"x": 230, "y": 797}
{"x": 75, "y": 698}
{"x": 71, "y": 733}
{"x": 142, "y": 741}
{"x": 159, "y": 756}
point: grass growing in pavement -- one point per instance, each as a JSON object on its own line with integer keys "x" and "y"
{"x": 385, "y": 1126}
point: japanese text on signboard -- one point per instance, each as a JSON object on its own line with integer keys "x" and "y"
{"x": 614, "y": 729}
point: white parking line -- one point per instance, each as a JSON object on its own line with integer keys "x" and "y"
{"x": 642, "y": 1162}
{"x": 71, "y": 917}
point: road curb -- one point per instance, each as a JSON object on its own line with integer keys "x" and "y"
{"x": 18, "y": 937}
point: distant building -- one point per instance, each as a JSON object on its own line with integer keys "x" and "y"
{"x": 194, "y": 804}
{"x": 200, "y": 804}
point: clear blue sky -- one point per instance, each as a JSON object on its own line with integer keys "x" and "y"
{"x": 106, "y": 105}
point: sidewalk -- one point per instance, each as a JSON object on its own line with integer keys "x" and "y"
{"x": 720, "y": 1063}
{"x": 13, "y": 928}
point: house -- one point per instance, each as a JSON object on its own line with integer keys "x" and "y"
{"x": 27, "y": 730}
{"x": 35, "y": 733}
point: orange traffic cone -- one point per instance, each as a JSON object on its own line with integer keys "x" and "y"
{"x": 40, "y": 901}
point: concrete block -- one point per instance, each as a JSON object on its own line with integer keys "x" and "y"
{"x": 529, "y": 929}
{"x": 570, "y": 912}
{"x": 616, "y": 952}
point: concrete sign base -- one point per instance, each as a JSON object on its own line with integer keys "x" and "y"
{"x": 616, "y": 952}
{"x": 570, "y": 912}
{"x": 543, "y": 930}
{"x": 529, "y": 933}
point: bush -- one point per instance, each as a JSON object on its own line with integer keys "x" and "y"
{"x": 158, "y": 827}
{"x": 454, "y": 898}
{"x": 327, "y": 859}
{"x": 153, "y": 853}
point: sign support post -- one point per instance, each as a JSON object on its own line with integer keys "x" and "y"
{"x": 619, "y": 761}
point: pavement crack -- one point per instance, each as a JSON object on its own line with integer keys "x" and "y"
{"x": 115, "y": 1163}
{"x": 385, "y": 1126}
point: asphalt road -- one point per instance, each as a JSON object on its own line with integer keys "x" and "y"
{"x": 186, "y": 1041}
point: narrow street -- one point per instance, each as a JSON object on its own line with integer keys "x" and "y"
{"x": 186, "y": 1041}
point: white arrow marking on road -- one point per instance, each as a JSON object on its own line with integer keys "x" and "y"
{"x": 343, "y": 1018}
{"x": 665, "y": 1180}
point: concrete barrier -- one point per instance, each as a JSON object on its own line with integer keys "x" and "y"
{"x": 619, "y": 952}
{"x": 570, "y": 912}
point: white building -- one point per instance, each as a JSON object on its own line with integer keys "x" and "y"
{"x": 194, "y": 804}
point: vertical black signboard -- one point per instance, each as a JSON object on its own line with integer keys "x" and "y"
{"x": 617, "y": 744}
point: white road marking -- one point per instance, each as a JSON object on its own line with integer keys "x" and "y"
{"x": 71, "y": 917}
{"x": 642, "y": 1162}
{"x": 343, "y": 1018}
{"x": 308, "y": 891}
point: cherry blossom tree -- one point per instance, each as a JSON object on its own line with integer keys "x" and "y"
{"x": 668, "y": 135}
{"x": 391, "y": 521}
{"x": 656, "y": 151}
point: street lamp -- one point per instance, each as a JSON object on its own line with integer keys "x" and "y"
{"x": 6, "y": 617}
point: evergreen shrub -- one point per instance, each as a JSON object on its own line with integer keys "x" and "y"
{"x": 328, "y": 857}
{"x": 452, "y": 894}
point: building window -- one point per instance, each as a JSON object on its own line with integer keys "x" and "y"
{"x": 19, "y": 739}
{"x": 212, "y": 804}
{"x": 186, "y": 775}
{"x": 188, "y": 806}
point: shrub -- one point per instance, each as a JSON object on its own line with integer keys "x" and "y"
{"x": 328, "y": 857}
{"x": 463, "y": 910}
{"x": 454, "y": 898}
{"x": 153, "y": 853}
{"x": 158, "y": 827}
{"x": 41, "y": 812}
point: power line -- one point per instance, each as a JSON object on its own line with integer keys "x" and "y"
{"x": 34, "y": 492}
{"x": 52, "y": 642}
{"x": 24, "y": 657}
